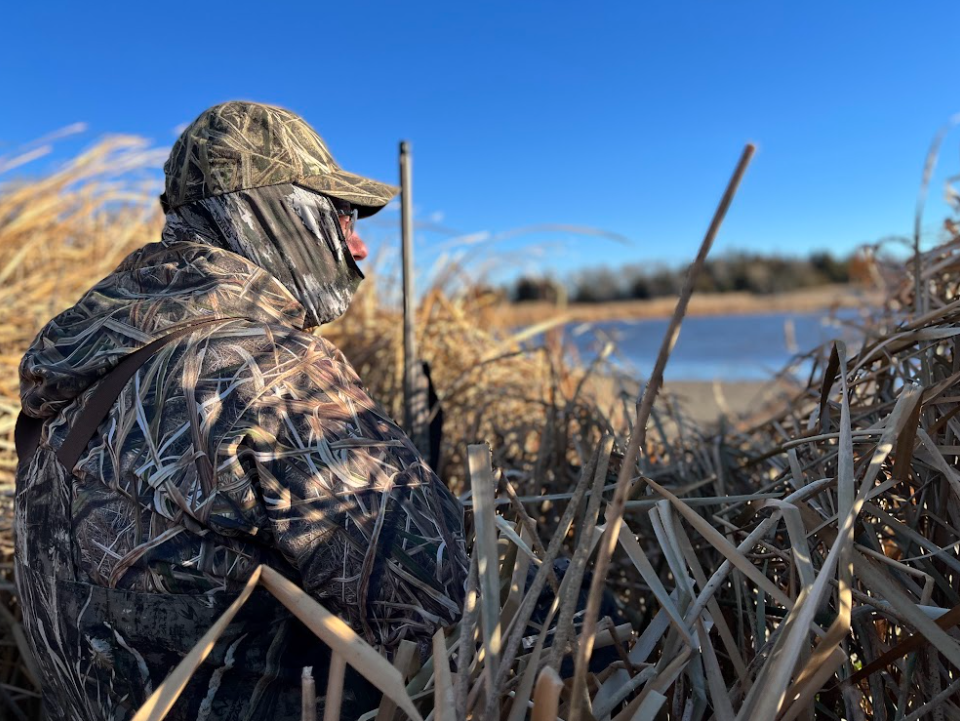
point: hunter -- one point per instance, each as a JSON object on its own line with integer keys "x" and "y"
{"x": 182, "y": 424}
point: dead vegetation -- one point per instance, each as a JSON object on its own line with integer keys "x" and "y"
{"x": 802, "y": 567}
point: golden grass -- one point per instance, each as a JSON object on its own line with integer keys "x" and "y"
{"x": 803, "y": 567}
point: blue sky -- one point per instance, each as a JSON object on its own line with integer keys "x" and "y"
{"x": 624, "y": 116}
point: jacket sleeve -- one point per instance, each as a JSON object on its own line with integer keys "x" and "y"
{"x": 349, "y": 502}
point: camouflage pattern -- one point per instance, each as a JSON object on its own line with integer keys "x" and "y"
{"x": 291, "y": 232}
{"x": 244, "y": 442}
{"x": 241, "y": 145}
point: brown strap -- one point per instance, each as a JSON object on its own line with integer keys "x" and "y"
{"x": 27, "y": 432}
{"x": 26, "y": 436}
{"x": 107, "y": 393}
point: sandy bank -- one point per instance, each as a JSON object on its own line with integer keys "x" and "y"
{"x": 704, "y": 402}
{"x": 801, "y": 301}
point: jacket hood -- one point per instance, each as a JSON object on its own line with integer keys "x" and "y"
{"x": 156, "y": 288}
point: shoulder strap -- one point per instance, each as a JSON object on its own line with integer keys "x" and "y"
{"x": 27, "y": 433}
{"x": 26, "y": 436}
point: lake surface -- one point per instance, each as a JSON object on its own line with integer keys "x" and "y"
{"x": 736, "y": 347}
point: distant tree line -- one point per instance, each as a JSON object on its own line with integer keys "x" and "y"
{"x": 733, "y": 272}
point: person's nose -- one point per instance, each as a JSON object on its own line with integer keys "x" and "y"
{"x": 358, "y": 249}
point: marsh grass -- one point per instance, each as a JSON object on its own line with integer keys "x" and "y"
{"x": 802, "y": 566}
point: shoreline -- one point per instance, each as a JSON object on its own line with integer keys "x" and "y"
{"x": 705, "y": 401}
{"x": 810, "y": 300}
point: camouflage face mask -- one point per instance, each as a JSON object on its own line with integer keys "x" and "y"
{"x": 291, "y": 232}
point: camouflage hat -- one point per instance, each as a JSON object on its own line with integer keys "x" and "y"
{"x": 241, "y": 145}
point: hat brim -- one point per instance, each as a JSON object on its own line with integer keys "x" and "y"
{"x": 366, "y": 194}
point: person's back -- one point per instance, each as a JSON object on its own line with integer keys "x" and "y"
{"x": 245, "y": 441}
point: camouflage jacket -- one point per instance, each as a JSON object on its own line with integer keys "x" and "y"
{"x": 243, "y": 442}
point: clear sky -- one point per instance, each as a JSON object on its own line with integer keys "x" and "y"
{"x": 627, "y": 116}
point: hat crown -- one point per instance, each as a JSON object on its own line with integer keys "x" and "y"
{"x": 240, "y": 145}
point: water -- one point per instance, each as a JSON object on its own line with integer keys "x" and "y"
{"x": 735, "y": 347}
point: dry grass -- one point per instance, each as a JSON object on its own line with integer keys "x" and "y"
{"x": 806, "y": 566}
